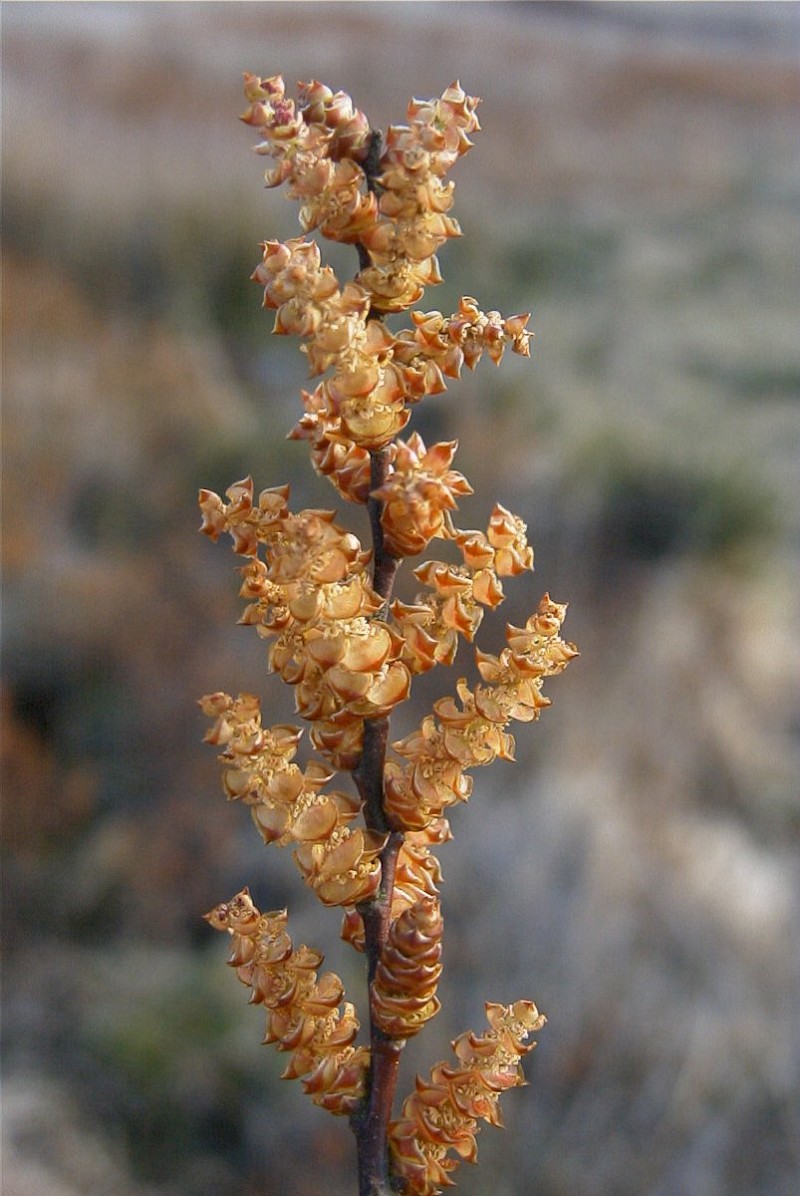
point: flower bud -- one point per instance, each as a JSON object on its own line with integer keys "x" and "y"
{"x": 404, "y": 989}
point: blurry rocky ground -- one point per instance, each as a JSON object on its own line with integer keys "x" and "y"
{"x": 636, "y": 184}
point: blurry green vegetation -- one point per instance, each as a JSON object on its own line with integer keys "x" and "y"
{"x": 181, "y": 264}
{"x": 780, "y": 380}
{"x": 157, "y": 1032}
{"x": 561, "y": 256}
{"x": 113, "y": 515}
{"x": 649, "y": 506}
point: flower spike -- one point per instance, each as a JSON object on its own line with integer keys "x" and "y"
{"x": 349, "y": 651}
{"x": 441, "y": 1116}
{"x": 304, "y": 1015}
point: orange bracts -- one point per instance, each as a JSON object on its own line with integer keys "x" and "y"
{"x": 441, "y": 1116}
{"x": 404, "y": 989}
{"x": 304, "y": 1015}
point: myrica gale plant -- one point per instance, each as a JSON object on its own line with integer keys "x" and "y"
{"x": 324, "y": 603}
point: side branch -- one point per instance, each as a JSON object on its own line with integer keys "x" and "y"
{"x": 371, "y": 167}
{"x": 385, "y": 565}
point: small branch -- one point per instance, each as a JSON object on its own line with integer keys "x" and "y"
{"x": 384, "y": 566}
{"x": 371, "y": 167}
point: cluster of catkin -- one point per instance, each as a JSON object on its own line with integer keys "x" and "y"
{"x": 322, "y": 600}
{"x": 304, "y": 1015}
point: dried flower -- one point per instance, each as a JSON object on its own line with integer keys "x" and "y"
{"x": 417, "y": 874}
{"x": 404, "y": 990}
{"x": 472, "y": 734}
{"x": 333, "y": 454}
{"x": 431, "y": 625}
{"x": 433, "y": 779}
{"x": 304, "y": 1014}
{"x": 288, "y": 805}
{"x": 316, "y": 147}
{"x": 441, "y": 1116}
{"x": 420, "y": 488}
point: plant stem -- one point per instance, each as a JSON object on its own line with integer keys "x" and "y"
{"x": 370, "y": 1125}
{"x": 371, "y": 168}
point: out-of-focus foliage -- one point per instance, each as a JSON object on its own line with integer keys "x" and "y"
{"x": 637, "y": 187}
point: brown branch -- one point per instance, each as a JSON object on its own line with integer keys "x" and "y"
{"x": 371, "y": 1124}
{"x": 384, "y": 565}
{"x": 371, "y": 168}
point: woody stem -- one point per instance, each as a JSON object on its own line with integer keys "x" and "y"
{"x": 370, "y": 1124}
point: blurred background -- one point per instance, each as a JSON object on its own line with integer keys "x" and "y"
{"x": 637, "y": 186}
